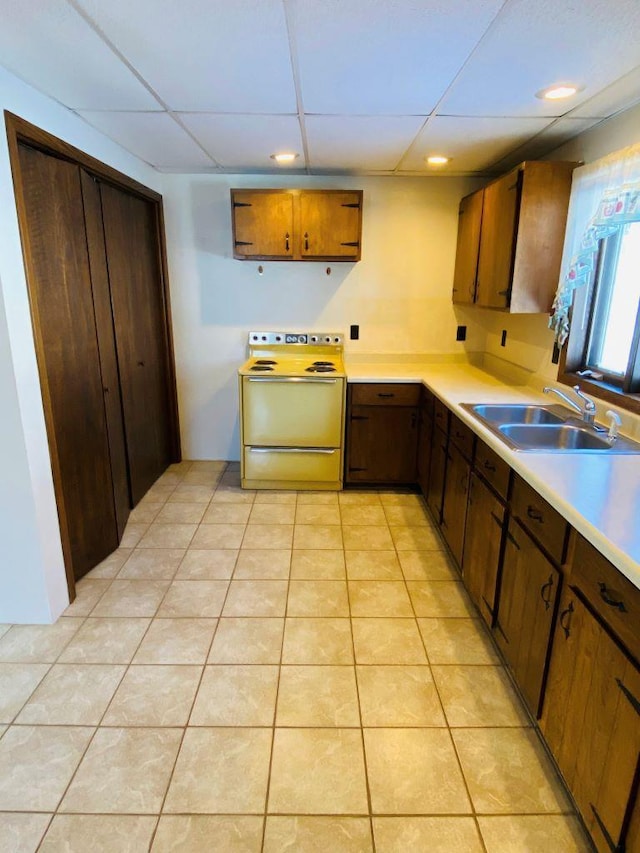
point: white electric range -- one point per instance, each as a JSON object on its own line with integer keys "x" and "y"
{"x": 292, "y": 405}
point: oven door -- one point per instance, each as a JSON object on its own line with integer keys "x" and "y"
{"x": 292, "y": 411}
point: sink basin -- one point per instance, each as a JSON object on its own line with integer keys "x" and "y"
{"x": 546, "y": 429}
{"x": 521, "y": 414}
{"x": 554, "y": 437}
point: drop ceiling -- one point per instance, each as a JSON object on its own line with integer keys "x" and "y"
{"x": 352, "y": 86}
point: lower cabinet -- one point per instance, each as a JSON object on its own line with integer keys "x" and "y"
{"x": 425, "y": 435}
{"x": 454, "y": 500}
{"x": 482, "y": 543}
{"x": 382, "y": 433}
{"x": 526, "y": 607}
{"x": 437, "y": 472}
{"x": 591, "y": 721}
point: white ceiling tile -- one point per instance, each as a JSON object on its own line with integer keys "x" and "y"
{"x": 205, "y": 55}
{"x": 374, "y": 57}
{"x": 245, "y": 142}
{"x": 50, "y": 46}
{"x": 535, "y": 43}
{"x": 555, "y": 134}
{"x": 620, "y": 95}
{"x": 473, "y": 143}
{"x": 154, "y": 137}
{"x": 359, "y": 142}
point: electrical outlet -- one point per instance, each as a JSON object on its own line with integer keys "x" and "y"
{"x": 503, "y": 339}
{"x": 354, "y": 332}
{"x": 461, "y": 334}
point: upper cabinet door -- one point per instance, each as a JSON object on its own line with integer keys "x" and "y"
{"x": 330, "y": 224}
{"x": 262, "y": 224}
{"x": 497, "y": 245}
{"x": 469, "y": 222}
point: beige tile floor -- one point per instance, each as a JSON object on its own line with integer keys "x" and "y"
{"x": 270, "y": 672}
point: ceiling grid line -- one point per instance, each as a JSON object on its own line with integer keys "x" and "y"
{"x": 295, "y": 70}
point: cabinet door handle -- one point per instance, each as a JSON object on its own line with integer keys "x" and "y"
{"x": 548, "y": 585}
{"x": 359, "y": 417}
{"x": 534, "y": 514}
{"x": 385, "y": 396}
{"x": 306, "y": 241}
{"x": 286, "y": 242}
{"x": 606, "y": 596}
{"x": 414, "y": 420}
{"x": 488, "y": 466}
{"x": 565, "y": 620}
{"x": 141, "y": 364}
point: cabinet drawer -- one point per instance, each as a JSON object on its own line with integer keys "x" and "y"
{"x": 385, "y": 394}
{"x": 492, "y": 468}
{"x": 614, "y": 597}
{"x": 441, "y": 415}
{"x": 540, "y": 519}
{"x": 461, "y": 436}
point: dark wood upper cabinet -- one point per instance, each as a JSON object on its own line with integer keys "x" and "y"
{"x": 467, "y": 248}
{"x": 520, "y": 232}
{"x": 297, "y": 225}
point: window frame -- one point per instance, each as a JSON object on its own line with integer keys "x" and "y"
{"x": 621, "y": 391}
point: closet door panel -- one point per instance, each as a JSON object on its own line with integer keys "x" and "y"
{"x": 55, "y": 249}
{"x": 107, "y": 348}
{"x": 137, "y": 301}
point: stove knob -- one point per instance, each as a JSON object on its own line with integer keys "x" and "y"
{"x": 278, "y": 338}
{"x": 337, "y": 340}
{"x": 314, "y": 339}
{"x": 327, "y": 340}
{"x": 264, "y": 337}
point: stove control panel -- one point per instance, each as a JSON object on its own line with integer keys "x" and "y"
{"x": 315, "y": 338}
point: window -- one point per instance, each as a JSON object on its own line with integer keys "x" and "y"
{"x": 611, "y": 344}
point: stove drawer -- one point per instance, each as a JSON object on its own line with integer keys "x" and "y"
{"x": 292, "y": 412}
{"x": 289, "y": 464}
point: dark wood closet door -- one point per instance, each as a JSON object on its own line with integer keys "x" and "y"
{"x": 55, "y": 250}
{"x": 139, "y": 317}
{"x": 107, "y": 348}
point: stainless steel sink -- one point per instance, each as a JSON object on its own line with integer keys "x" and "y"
{"x": 521, "y": 414}
{"x": 555, "y": 437}
{"x": 547, "y": 429}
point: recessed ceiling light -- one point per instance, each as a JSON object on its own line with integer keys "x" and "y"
{"x": 284, "y": 158}
{"x": 558, "y": 91}
{"x": 437, "y": 160}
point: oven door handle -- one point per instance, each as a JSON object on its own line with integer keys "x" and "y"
{"x": 293, "y": 379}
{"x": 323, "y": 450}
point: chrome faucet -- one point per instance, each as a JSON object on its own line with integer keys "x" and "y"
{"x": 587, "y": 410}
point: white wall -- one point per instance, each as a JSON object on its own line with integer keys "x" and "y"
{"x": 32, "y": 580}
{"x": 529, "y": 340}
{"x": 399, "y": 293}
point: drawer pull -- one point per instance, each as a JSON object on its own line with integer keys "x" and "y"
{"x": 385, "y": 396}
{"x": 629, "y": 695}
{"x": 565, "y": 620}
{"x": 605, "y": 595}
{"x": 488, "y": 466}
{"x": 286, "y": 242}
{"x": 534, "y": 514}
{"x": 548, "y": 585}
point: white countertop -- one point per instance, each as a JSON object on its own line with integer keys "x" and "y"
{"x": 599, "y": 495}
